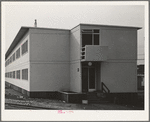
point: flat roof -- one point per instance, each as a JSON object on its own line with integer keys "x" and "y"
{"x": 23, "y": 30}
{"x": 111, "y": 26}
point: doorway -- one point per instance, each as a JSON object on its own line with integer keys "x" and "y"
{"x": 88, "y": 79}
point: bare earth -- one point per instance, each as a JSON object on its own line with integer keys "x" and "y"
{"x": 13, "y": 98}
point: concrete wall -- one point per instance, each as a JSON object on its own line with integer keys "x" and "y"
{"x": 119, "y": 73}
{"x": 122, "y": 44}
{"x": 19, "y": 64}
{"x": 49, "y": 76}
{"x": 49, "y": 60}
{"x": 49, "y": 45}
{"x": 75, "y": 77}
{"x": 75, "y": 53}
{"x": 119, "y": 76}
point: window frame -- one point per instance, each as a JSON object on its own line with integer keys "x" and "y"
{"x": 24, "y": 47}
{"x": 25, "y": 74}
{"x": 91, "y": 31}
{"x": 18, "y": 53}
{"x": 13, "y": 74}
{"x": 18, "y": 74}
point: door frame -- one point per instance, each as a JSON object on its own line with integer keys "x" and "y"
{"x": 88, "y": 67}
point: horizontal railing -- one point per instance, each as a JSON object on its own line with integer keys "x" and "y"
{"x": 83, "y": 53}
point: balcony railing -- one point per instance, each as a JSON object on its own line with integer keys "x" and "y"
{"x": 94, "y": 53}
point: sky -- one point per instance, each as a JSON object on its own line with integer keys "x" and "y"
{"x": 66, "y": 15}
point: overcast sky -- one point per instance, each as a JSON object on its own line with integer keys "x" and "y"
{"x": 67, "y": 15}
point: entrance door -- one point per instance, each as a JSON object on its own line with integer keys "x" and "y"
{"x": 88, "y": 79}
{"x": 91, "y": 79}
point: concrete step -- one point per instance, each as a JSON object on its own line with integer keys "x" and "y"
{"x": 96, "y": 97}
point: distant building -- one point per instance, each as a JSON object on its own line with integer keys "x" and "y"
{"x": 140, "y": 75}
{"x": 42, "y": 61}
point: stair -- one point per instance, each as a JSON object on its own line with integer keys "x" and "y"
{"x": 97, "y": 97}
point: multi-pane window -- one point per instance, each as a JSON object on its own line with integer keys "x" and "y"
{"x": 25, "y": 74}
{"x": 90, "y": 37}
{"x": 18, "y": 74}
{"x": 13, "y": 74}
{"x": 25, "y": 47}
{"x": 13, "y": 57}
{"x": 18, "y": 53}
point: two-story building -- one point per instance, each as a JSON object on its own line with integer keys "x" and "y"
{"x": 88, "y": 58}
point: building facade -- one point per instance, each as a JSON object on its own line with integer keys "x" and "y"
{"x": 83, "y": 59}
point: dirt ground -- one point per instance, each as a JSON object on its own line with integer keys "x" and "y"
{"x": 14, "y": 97}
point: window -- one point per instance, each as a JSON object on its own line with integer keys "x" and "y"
{"x": 10, "y": 74}
{"x": 18, "y": 74}
{"x": 14, "y": 57}
{"x": 10, "y": 60}
{"x": 6, "y": 62}
{"x": 25, "y": 74}
{"x": 13, "y": 74}
{"x": 25, "y": 47}
{"x": 18, "y": 53}
{"x": 90, "y": 37}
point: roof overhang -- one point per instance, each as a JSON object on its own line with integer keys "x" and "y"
{"x": 19, "y": 36}
{"x": 111, "y": 26}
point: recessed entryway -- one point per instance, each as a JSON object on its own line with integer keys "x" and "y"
{"x": 88, "y": 78}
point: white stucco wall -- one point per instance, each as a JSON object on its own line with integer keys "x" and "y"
{"x": 50, "y": 69}
{"x": 75, "y": 77}
{"x": 119, "y": 72}
{"x": 122, "y": 44}
{"x": 49, "y": 76}
{"x": 119, "y": 76}
{"x": 75, "y": 53}
{"x": 49, "y": 45}
{"x": 19, "y": 64}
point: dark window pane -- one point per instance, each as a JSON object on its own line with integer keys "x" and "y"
{"x": 84, "y": 79}
{"x": 86, "y": 39}
{"x": 91, "y": 78}
{"x": 96, "y": 39}
{"x": 96, "y": 31}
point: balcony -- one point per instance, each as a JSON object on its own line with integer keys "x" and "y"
{"x": 94, "y": 53}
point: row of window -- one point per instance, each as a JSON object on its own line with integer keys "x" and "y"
{"x": 16, "y": 55}
{"x": 17, "y": 74}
